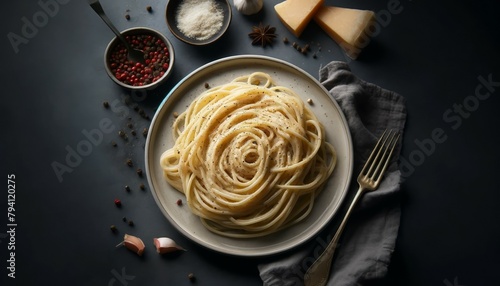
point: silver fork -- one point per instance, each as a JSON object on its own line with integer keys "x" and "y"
{"x": 369, "y": 179}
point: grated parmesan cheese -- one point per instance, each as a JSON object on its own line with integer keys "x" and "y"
{"x": 199, "y": 19}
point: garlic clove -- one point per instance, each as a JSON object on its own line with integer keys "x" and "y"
{"x": 133, "y": 243}
{"x": 248, "y": 7}
{"x": 166, "y": 245}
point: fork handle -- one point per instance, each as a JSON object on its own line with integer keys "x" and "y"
{"x": 318, "y": 273}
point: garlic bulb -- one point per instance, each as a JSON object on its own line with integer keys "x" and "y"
{"x": 248, "y": 7}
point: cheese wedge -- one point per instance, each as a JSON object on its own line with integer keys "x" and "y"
{"x": 348, "y": 27}
{"x": 296, "y": 14}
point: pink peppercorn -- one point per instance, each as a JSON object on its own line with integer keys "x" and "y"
{"x": 157, "y": 60}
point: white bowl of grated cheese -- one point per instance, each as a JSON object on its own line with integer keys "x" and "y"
{"x": 198, "y": 22}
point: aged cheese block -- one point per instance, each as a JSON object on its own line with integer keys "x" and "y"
{"x": 348, "y": 27}
{"x": 296, "y": 14}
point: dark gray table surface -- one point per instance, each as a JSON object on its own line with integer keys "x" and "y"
{"x": 442, "y": 57}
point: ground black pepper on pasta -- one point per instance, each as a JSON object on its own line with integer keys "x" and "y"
{"x": 264, "y": 165}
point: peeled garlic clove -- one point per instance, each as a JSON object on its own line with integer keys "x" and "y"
{"x": 166, "y": 245}
{"x": 134, "y": 244}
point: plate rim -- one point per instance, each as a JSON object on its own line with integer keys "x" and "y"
{"x": 257, "y": 253}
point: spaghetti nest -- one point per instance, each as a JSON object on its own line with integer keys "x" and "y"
{"x": 249, "y": 156}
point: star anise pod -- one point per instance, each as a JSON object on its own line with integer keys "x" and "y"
{"x": 262, "y": 35}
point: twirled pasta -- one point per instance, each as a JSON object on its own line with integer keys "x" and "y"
{"x": 249, "y": 156}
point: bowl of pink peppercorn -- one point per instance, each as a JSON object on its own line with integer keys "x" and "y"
{"x": 157, "y": 65}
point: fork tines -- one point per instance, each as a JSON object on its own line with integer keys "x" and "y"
{"x": 378, "y": 161}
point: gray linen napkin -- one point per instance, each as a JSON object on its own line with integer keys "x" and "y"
{"x": 368, "y": 241}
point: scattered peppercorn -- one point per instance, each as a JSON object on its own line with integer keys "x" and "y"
{"x": 285, "y": 40}
{"x": 129, "y": 162}
{"x": 127, "y": 16}
{"x": 191, "y": 277}
{"x": 122, "y": 134}
{"x": 118, "y": 203}
{"x": 207, "y": 85}
{"x": 131, "y": 222}
{"x": 113, "y": 228}
{"x": 105, "y": 104}
{"x": 145, "y": 132}
{"x": 149, "y": 9}
{"x": 127, "y": 188}
{"x": 310, "y": 101}
{"x": 139, "y": 172}
{"x": 142, "y": 187}
{"x": 130, "y": 125}
{"x": 176, "y": 114}
{"x": 124, "y": 219}
{"x": 113, "y": 143}
{"x": 179, "y": 202}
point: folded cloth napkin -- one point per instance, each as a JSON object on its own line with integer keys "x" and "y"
{"x": 366, "y": 246}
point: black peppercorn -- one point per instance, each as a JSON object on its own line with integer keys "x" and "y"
{"x": 122, "y": 134}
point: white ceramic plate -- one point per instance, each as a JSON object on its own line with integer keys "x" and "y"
{"x": 220, "y": 72}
